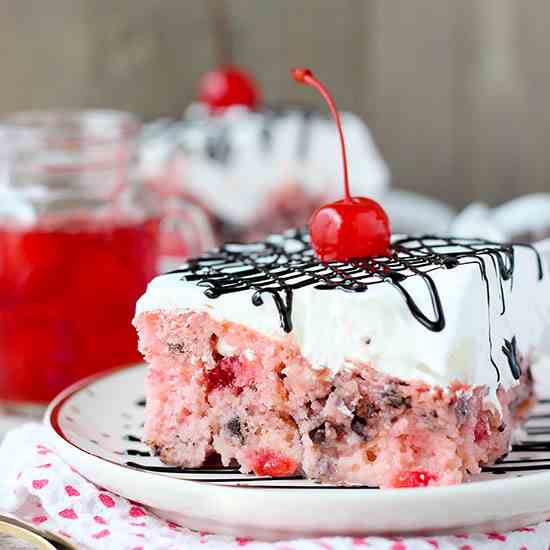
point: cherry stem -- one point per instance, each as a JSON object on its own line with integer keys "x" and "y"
{"x": 221, "y": 31}
{"x": 305, "y": 76}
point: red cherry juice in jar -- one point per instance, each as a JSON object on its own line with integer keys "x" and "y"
{"x": 67, "y": 297}
{"x": 78, "y": 245}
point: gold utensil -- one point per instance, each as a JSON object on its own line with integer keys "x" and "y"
{"x": 41, "y": 538}
{"x": 26, "y": 535}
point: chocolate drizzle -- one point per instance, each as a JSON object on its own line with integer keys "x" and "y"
{"x": 510, "y": 351}
{"x": 283, "y": 264}
{"x": 266, "y": 131}
{"x": 136, "y": 452}
{"x": 216, "y": 136}
{"x": 218, "y": 147}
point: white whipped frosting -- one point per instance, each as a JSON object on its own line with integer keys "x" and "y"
{"x": 527, "y": 214}
{"x": 376, "y": 327}
{"x": 236, "y": 189}
{"x": 415, "y": 214}
{"x": 478, "y": 220}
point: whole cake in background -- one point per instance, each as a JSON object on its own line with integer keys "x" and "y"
{"x": 257, "y": 170}
{"x": 344, "y": 354}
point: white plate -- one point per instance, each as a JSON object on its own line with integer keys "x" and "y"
{"x": 90, "y": 420}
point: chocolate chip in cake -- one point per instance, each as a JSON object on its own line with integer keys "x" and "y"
{"x": 394, "y": 399}
{"x": 177, "y": 347}
{"x": 318, "y": 435}
{"x": 358, "y": 425}
{"x": 462, "y": 409}
{"x": 365, "y": 409}
{"x": 234, "y": 426}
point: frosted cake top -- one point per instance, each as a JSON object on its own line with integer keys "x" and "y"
{"x": 438, "y": 309}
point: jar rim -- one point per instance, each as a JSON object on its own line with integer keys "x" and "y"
{"x": 82, "y": 127}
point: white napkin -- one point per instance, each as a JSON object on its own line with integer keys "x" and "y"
{"x": 37, "y": 486}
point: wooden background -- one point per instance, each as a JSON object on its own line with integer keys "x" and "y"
{"x": 456, "y": 91}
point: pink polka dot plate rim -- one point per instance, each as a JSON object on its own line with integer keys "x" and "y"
{"x": 96, "y": 426}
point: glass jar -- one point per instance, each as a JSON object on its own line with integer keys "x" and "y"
{"x": 79, "y": 241}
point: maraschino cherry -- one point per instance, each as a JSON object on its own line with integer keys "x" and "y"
{"x": 228, "y": 85}
{"x": 354, "y": 227}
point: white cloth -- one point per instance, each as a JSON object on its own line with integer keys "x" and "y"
{"x": 38, "y": 486}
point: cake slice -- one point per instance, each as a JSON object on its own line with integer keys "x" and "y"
{"x": 399, "y": 371}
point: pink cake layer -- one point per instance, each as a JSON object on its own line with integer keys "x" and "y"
{"x": 219, "y": 387}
